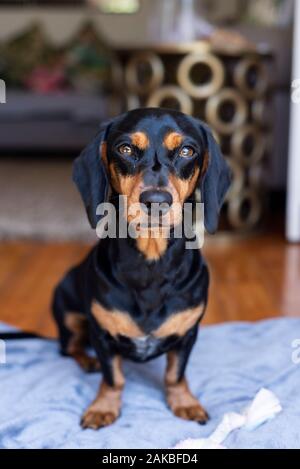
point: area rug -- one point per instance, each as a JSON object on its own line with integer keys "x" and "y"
{"x": 38, "y": 200}
{"x": 43, "y": 394}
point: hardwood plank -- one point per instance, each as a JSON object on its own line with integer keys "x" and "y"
{"x": 25, "y": 296}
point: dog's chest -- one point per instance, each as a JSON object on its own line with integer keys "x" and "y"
{"x": 143, "y": 339}
{"x": 147, "y": 308}
{"x": 141, "y": 348}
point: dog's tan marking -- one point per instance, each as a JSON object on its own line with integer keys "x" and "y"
{"x": 152, "y": 248}
{"x": 180, "y": 323}
{"x": 115, "y": 322}
{"x": 140, "y": 139}
{"x": 171, "y": 375}
{"x": 184, "y": 187}
{"x": 130, "y": 186}
{"x": 179, "y": 397}
{"x": 103, "y": 153}
{"x": 76, "y": 323}
{"x": 205, "y": 163}
{"x": 173, "y": 140}
{"x": 105, "y": 409}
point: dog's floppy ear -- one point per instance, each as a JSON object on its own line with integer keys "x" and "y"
{"x": 89, "y": 174}
{"x": 215, "y": 181}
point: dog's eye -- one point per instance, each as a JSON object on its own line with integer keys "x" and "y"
{"x": 186, "y": 152}
{"x": 125, "y": 149}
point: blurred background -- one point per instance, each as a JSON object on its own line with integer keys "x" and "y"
{"x": 69, "y": 65}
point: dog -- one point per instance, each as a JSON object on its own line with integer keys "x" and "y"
{"x": 140, "y": 297}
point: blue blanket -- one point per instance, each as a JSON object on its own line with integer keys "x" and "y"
{"x": 42, "y": 395}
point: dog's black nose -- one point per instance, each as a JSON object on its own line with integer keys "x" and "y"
{"x": 163, "y": 198}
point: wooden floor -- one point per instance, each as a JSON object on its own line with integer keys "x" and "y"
{"x": 252, "y": 279}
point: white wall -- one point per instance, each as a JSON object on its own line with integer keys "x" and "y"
{"x": 60, "y": 23}
{"x": 293, "y": 186}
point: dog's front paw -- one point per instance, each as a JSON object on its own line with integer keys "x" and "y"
{"x": 95, "y": 419}
{"x": 184, "y": 405}
{"x": 193, "y": 412}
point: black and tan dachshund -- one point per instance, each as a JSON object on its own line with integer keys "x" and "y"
{"x": 140, "y": 297}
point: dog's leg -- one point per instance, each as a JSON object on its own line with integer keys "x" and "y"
{"x": 77, "y": 324}
{"x": 179, "y": 397}
{"x": 72, "y": 325}
{"x": 105, "y": 409}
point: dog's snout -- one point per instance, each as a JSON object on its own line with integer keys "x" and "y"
{"x": 163, "y": 198}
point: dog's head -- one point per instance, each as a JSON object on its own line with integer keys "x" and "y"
{"x": 154, "y": 156}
